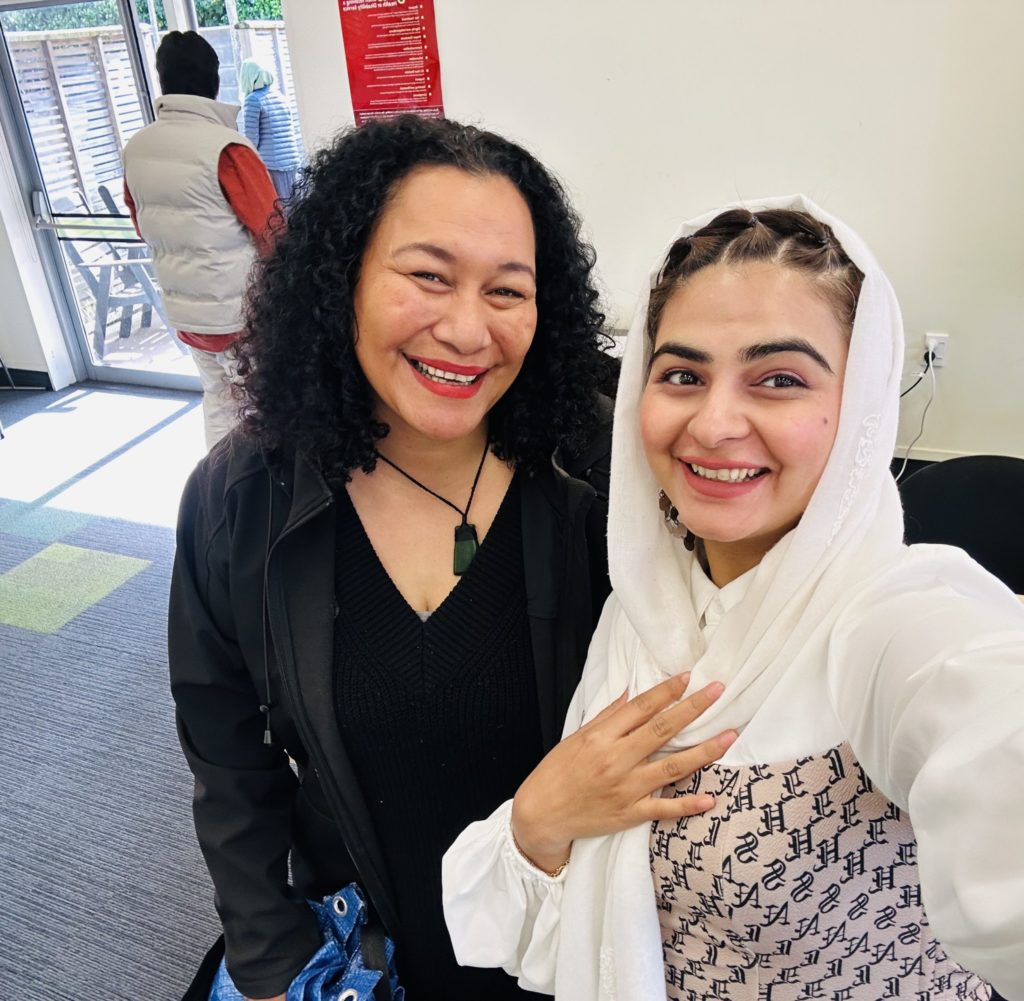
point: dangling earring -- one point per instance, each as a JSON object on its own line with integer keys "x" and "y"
{"x": 675, "y": 528}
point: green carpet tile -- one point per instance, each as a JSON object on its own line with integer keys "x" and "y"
{"x": 48, "y": 590}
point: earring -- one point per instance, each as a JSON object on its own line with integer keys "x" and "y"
{"x": 675, "y": 528}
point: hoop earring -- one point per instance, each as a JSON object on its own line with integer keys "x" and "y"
{"x": 672, "y": 523}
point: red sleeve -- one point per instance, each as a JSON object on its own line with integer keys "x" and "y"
{"x": 250, "y": 192}
{"x": 130, "y": 202}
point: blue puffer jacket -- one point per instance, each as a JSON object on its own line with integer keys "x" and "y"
{"x": 268, "y": 126}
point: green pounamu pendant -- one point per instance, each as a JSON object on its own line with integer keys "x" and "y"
{"x": 466, "y": 546}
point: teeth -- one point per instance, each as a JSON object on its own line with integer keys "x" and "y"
{"x": 725, "y": 475}
{"x": 438, "y": 375}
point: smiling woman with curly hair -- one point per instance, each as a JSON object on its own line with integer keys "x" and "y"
{"x": 389, "y": 575}
{"x": 302, "y": 383}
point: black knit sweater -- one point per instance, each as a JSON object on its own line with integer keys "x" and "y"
{"x": 441, "y": 721}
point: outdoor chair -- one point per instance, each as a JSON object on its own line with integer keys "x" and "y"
{"x": 117, "y": 277}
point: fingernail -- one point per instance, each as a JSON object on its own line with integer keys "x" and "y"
{"x": 727, "y": 738}
{"x": 685, "y": 677}
{"x": 705, "y": 802}
{"x": 715, "y": 689}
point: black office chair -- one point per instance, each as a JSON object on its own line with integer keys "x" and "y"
{"x": 974, "y": 502}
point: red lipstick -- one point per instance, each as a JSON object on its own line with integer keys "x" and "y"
{"x": 449, "y": 366}
{"x": 450, "y": 390}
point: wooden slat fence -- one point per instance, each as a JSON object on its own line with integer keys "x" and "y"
{"x": 82, "y": 103}
{"x": 270, "y": 47}
{"x": 82, "y": 106}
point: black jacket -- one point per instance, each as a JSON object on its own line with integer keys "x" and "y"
{"x": 251, "y": 631}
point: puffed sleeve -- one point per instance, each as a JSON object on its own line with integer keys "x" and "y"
{"x": 927, "y": 675}
{"x": 501, "y": 910}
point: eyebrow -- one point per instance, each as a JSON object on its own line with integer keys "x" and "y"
{"x": 758, "y": 351}
{"x": 681, "y": 351}
{"x": 449, "y": 258}
{"x": 755, "y": 352}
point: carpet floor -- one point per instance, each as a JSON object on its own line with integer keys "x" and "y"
{"x": 104, "y": 891}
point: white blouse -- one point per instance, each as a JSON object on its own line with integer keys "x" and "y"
{"x": 925, "y": 685}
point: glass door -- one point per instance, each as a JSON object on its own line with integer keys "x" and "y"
{"x": 77, "y": 78}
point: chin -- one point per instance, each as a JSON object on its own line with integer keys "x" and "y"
{"x": 717, "y": 535}
{"x": 445, "y": 427}
{"x": 758, "y": 538}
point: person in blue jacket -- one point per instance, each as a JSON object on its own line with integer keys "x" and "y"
{"x": 267, "y": 123}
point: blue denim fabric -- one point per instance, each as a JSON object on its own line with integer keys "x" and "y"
{"x": 336, "y": 972}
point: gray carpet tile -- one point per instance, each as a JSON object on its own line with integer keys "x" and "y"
{"x": 16, "y": 404}
{"x": 14, "y": 550}
{"x": 104, "y": 891}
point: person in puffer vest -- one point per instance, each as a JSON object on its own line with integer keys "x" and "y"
{"x": 202, "y": 198}
{"x": 268, "y": 124}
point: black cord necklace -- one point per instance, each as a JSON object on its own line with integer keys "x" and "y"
{"x": 466, "y": 542}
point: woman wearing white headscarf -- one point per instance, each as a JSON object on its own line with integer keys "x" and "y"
{"x": 862, "y": 840}
{"x": 267, "y": 123}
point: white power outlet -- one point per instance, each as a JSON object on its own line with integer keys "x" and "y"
{"x": 937, "y": 344}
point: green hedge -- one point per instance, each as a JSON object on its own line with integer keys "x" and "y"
{"x": 96, "y": 15}
{"x": 213, "y": 12}
{"x": 101, "y": 13}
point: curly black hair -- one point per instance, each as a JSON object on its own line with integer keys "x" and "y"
{"x": 301, "y": 386}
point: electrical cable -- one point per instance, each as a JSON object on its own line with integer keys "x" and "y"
{"x": 924, "y": 414}
{"x": 913, "y": 385}
{"x": 917, "y": 382}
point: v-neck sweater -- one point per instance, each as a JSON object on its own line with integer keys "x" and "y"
{"x": 441, "y": 721}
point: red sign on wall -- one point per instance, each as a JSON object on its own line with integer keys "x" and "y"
{"x": 391, "y": 52}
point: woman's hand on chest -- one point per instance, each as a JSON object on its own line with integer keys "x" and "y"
{"x": 606, "y": 776}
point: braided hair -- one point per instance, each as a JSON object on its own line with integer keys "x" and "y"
{"x": 783, "y": 237}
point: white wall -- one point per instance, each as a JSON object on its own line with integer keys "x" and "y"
{"x": 902, "y": 116}
{"x": 17, "y": 350}
{"x": 317, "y": 53}
{"x": 30, "y": 335}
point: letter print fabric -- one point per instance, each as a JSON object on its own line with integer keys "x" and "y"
{"x": 801, "y": 882}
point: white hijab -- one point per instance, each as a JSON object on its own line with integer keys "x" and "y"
{"x": 852, "y": 527}
{"x": 792, "y": 665}
{"x": 772, "y": 644}
{"x": 772, "y": 647}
